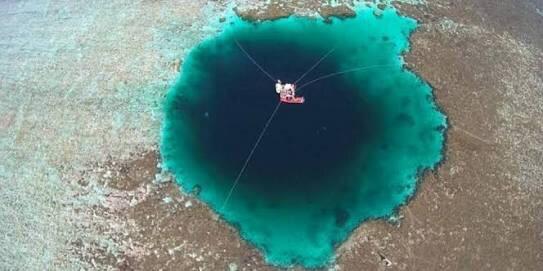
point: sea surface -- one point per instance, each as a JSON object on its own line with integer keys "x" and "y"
{"x": 354, "y": 151}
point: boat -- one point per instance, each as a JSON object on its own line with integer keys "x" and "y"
{"x": 287, "y": 93}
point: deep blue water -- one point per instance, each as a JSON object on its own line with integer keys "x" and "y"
{"x": 352, "y": 152}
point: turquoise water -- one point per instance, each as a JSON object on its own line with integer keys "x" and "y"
{"x": 354, "y": 151}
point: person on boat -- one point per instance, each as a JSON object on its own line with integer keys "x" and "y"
{"x": 278, "y": 87}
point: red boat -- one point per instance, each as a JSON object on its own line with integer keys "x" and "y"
{"x": 292, "y": 100}
{"x": 287, "y": 93}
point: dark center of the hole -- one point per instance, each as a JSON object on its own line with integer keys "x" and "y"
{"x": 304, "y": 143}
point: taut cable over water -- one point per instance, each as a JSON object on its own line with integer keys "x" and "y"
{"x": 315, "y": 65}
{"x": 251, "y": 154}
{"x": 342, "y": 72}
{"x": 254, "y": 61}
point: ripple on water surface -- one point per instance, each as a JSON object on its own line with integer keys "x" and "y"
{"x": 352, "y": 152}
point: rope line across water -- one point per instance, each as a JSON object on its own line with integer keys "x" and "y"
{"x": 254, "y": 61}
{"x": 340, "y": 73}
{"x": 251, "y": 154}
{"x": 315, "y": 65}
